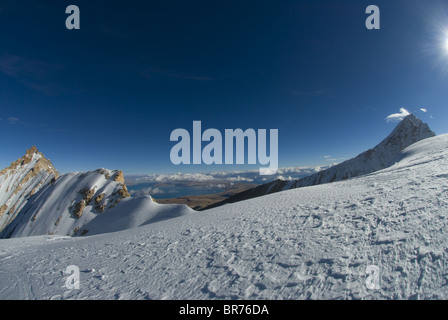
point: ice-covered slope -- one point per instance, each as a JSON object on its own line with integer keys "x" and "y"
{"x": 23, "y": 178}
{"x": 408, "y": 131}
{"x": 307, "y": 243}
{"x": 69, "y": 205}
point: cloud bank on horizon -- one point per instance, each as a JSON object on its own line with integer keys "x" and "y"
{"x": 231, "y": 177}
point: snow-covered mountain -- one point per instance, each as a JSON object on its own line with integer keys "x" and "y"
{"x": 41, "y": 202}
{"x": 408, "y": 131}
{"x": 316, "y": 242}
{"x": 22, "y": 179}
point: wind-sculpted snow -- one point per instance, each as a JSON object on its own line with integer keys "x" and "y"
{"x": 135, "y": 212}
{"x": 309, "y": 243}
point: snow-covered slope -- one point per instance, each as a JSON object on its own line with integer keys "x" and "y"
{"x": 23, "y": 178}
{"x": 408, "y": 131}
{"x": 134, "y": 212}
{"x": 308, "y": 243}
{"x": 69, "y": 205}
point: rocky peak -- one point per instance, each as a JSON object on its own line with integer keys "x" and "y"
{"x": 40, "y": 162}
{"x": 119, "y": 177}
{"x": 32, "y": 150}
{"x": 23, "y": 178}
{"x": 409, "y": 131}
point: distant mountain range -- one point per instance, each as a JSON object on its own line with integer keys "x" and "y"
{"x": 407, "y": 132}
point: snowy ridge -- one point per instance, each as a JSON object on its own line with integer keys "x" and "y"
{"x": 68, "y": 206}
{"x": 308, "y": 243}
{"x": 407, "y": 132}
{"x": 20, "y": 180}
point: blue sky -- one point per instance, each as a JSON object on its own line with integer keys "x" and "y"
{"x": 109, "y": 95}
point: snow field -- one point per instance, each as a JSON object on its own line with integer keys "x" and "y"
{"x": 307, "y": 243}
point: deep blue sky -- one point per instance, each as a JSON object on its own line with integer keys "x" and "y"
{"x": 109, "y": 95}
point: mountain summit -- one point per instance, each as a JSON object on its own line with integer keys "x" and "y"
{"x": 22, "y": 179}
{"x": 409, "y": 131}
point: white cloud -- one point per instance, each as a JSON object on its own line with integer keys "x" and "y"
{"x": 146, "y": 191}
{"x": 284, "y": 178}
{"x": 184, "y": 177}
{"x": 226, "y": 176}
{"x": 398, "y": 116}
{"x": 219, "y": 186}
{"x": 424, "y": 110}
{"x": 13, "y": 120}
{"x": 239, "y": 178}
{"x": 332, "y": 158}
